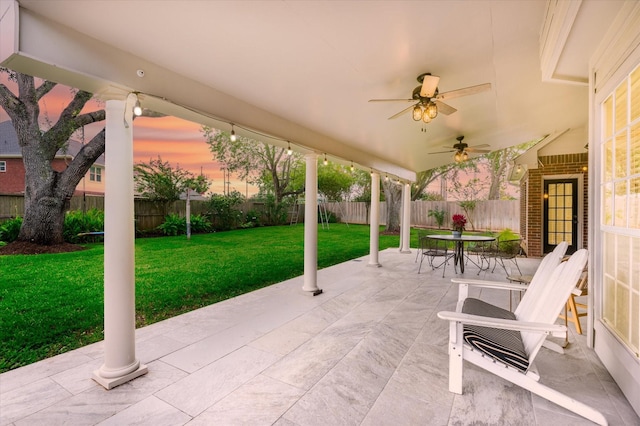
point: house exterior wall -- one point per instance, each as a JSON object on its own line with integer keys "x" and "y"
{"x": 12, "y": 180}
{"x": 552, "y": 165}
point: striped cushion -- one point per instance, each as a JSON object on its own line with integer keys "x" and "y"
{"x": 503, "y": 345}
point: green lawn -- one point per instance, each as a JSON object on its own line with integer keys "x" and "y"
{"x": 53, "y": 303}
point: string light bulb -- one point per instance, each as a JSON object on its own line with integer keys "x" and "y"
{"x": 352, "y": 168}
{"x": 233, "y": 134}
{"x": 289, "y": 150}
{"x": 137, "y": 109}
{"x": 325, "y": 162}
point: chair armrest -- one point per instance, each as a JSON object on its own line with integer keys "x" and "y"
{"x": 491, "y": 284}
{"x": 506, "y": 324}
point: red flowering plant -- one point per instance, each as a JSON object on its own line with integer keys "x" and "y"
{"x": 459, "y": 222}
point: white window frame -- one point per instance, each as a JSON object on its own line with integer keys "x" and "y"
{"x": 95, "y": 174}
{"x": 3, "y": 166}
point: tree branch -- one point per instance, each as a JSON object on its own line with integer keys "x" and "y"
{"x": 78, "y": 167}
{"x": 45, "y": 88}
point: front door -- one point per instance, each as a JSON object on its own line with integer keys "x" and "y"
{"x": 560, "y": 214}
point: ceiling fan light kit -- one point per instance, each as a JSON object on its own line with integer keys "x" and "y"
{"x": 429, "y": 100}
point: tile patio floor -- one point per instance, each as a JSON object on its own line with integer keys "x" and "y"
{"x": 369, "y": 351}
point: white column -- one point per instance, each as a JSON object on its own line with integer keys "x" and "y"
{"x": 405, "y": 226}
{"x": 374, "y": 222}
{"x": 311, "y": 226}
{"x": 120, "y": 363}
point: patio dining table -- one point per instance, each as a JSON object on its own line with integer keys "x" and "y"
{"x": 458, "y": 254}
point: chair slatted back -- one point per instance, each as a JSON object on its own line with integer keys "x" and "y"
{"x": 551, "y": 298}
{"x": 542, "y": 274}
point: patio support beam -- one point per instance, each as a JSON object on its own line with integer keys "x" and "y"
{"x": 311, "y": 225}
{"x": 120, "y": 362}
{"x": 374, "y": 222}
{"x": 405, "y": 225}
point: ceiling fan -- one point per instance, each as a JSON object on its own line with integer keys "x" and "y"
{"x": 428, "y": 100}
{"x": 461, "y": 150}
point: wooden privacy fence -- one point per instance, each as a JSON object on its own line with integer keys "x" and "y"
{"x": 493, "y": 215}
{"x": 488, "y": 215}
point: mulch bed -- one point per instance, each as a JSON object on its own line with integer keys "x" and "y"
{"x": 23, "y": 247}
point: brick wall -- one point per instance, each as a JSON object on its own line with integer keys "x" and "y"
{"x": 567, "y": 164}
{"x": 12, "y": 181}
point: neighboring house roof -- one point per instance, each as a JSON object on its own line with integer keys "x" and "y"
{"x": 9, "y": 147}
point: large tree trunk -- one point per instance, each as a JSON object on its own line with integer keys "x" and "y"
{"x": 47, "y": 191}
{"x": 393, "y": 198}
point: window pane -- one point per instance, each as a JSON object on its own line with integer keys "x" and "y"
{"x": 634, "y": 149}
{"x": 635, "y": 266}
{"x": 607, "y": 118}
{"x": 608, "y": 160}
{"x": 621, "y": 155}
{"x": 635, "y": 94}
{"x": 607, "y": 204}
{"x": 620, "y": 204}
{"x": 623, "y": 260}
{"x": 621, "y": 107}
{"x": 634, "y": 204}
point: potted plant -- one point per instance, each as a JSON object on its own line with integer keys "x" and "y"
{"x": 458, "y": 224}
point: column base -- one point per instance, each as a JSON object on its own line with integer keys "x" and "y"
{"x": 110, "y": 383}
{"x": 374, "y": 265}
{"x": 405, "y": 251}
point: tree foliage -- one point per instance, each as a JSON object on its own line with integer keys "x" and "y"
{"x": 161, "y": 183}
{"x": 267, "y": 166}
{"x": 335, "y": 181}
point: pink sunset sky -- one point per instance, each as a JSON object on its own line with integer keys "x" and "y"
{"x": 177, "y": 141}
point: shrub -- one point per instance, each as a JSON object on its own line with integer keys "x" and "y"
{"x": 224, "y": 212}
{"x": 252, "y": 219}
{"x": 438, "y": 215}
{"x": 78, "y": 222}
{"x": 10, "y": 229}
{"x": 275, "y": 213}
{"x": 173, "y": 225}
{"x": 200, "y": 224}
{"x": 509, "y": 241}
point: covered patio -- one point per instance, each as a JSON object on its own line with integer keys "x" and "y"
{"x": 369, "y": 351}
{"x": 302, "y": 73}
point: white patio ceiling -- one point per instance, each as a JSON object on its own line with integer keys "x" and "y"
{"x": 304, "y": 71}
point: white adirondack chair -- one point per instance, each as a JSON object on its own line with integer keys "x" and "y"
{"x": 542, "y": 274}
{"x": 506, "y": 343}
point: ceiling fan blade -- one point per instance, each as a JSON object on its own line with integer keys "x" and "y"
{"x": 471, "y": 90}
{"x": 482, "y": 145}
{"x": 445, "y": 109}
{"x": 392, "y": 100}
{"x": 443, "y": 152}
{"x": 407, "y": 109}
{"x": 478, "y": 151}
{"x": 429, "y": 85}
